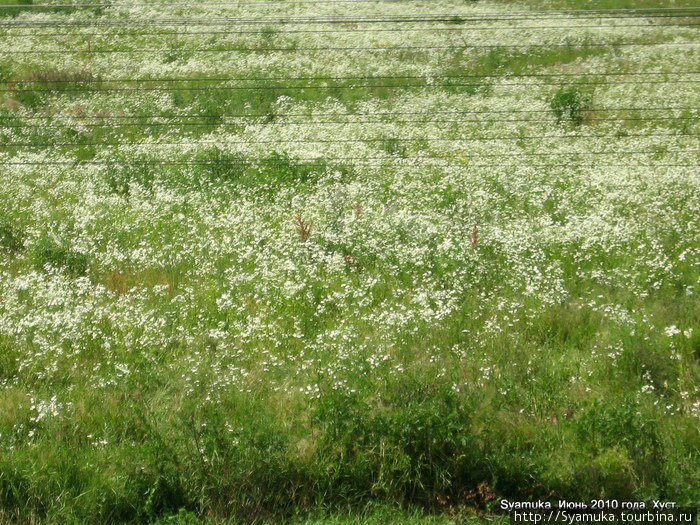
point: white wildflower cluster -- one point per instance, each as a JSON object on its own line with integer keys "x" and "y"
{"x": 393, "y": 260}
{"x": 46, "y": 409}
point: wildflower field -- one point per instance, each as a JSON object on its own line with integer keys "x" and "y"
{"x": 346, "y": 261}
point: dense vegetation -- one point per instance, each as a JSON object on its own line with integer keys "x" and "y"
{"x": 308, "y": 292}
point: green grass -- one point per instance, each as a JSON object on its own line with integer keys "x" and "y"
{"x": 19, "y": 8}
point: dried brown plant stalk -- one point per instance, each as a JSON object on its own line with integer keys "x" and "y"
{"x": 475, "y": 236}
{"x": 303, "y": 227}
{"x": 358, "y": 210}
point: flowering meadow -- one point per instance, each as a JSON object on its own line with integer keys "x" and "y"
{"x": 281, "y": 261}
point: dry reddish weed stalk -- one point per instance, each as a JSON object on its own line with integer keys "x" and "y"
{"x": 475, "y": 236}
{"x": 358, "y": 210}
{"x": 303, "y": 227}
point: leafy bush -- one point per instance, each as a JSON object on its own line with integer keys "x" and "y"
{"x": 570, "y": 103}
{"x": 119, "y": 177}
{"x": 11, "y": 238}
{"x": 273, "y": 170}
{"x": 49, "y": 254}
{"x": 16, "y": 7}
{"x": 394, "y": 146}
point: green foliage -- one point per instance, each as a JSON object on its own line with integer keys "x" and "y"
{"x": 5, "y": 72}
{"x": 569, "y": 104}
{"x": 11, "y": 238}
{"x": 260, "y": 173}
{"x": 13, "y": 11}
{"x": 121, "y": 176}
{"x": 246, "y": 470}
{"x": 35, "y": 87}
{"x": 18, "y": 7}
{"x": 394, "y": 146}
{"x": 47, "y": 253}
{"x": 414, "y": 448}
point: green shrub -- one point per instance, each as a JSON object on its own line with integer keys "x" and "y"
{"x": 35, "y": 87}
{"x": 570, "y": 103}
{"x": 18, "y": 7}
{"x": 119, "y": 177}
{"x": 283, "y": 169}
{"x": 11, "y": 238}
{"x": 13, "y": 11}
{"x": 274, "y": 170}
{"x": 49, "y": 254}
{"x": 394, "y": 146}
{"x": 220, "y": 166}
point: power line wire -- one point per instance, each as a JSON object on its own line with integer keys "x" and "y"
{"x": 328, "y": 48}
{"x": 453, "y": 16}
{"x": 451, "y": 156}
{"x": 155, "y": 22}
{"x": 318, "y": 123}
{"x": 330, "y": 141}
{"x": 324, "y": 164}
{"x": 356, "y": 86}
{"x": 389, "y": 114}
{"x": 287, "y": 2}
{"x": 370, "y": 30}
{"x": 356, "y": 77}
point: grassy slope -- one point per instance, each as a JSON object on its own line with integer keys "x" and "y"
{"x": 160, "y": 307}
